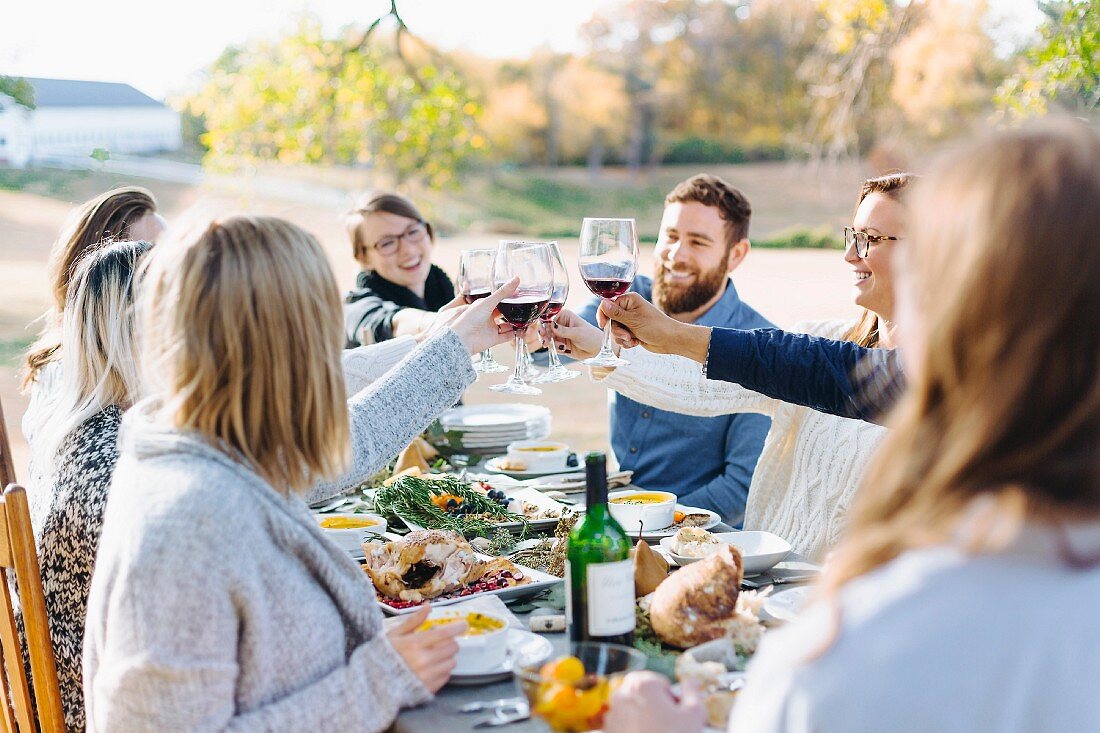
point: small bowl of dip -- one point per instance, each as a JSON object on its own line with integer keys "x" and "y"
{"x": 538, "y": 455}
{"x": 350, "y": 531}
{"x": 482, "y": 647}
{"x": 647, "y": 510}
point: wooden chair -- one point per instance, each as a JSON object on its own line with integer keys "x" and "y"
{"x": 7, "y": 465}
{"x": 17, "y": 554}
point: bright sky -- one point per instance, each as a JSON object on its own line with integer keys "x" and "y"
{"x": 158, "y": 46}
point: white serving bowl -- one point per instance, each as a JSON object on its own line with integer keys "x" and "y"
{"x": 352, "y": 539}
{"x": 760, "y": 551}
{"x": 648, "y": 516}
{"x": 539, "y": 455}
{"x": 477, "y": 653}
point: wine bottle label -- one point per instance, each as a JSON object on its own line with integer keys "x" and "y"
{"x": 611, "y": 598}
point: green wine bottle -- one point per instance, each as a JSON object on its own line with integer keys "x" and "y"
{"x": 599, "y": 575}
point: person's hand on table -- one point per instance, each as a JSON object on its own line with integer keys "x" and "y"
{"x": 644, "y": 703}
{"x": 575, "y": 336}
{"x": 637, "y": 322}
{"x": 475, "y": 324}
{"x": 430, "y": 654}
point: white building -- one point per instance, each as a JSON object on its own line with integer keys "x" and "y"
{"x": 73, "y": 118}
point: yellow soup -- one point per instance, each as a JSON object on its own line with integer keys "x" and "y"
{"x": 478, "y": 623}
{"x": 541, "y": 448}
{"x": 347, "y": 523}
{"x": 641, "y": 499}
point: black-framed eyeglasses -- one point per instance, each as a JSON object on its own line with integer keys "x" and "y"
{"x": 863, "y": 240}
{"x": 415, "y": 234}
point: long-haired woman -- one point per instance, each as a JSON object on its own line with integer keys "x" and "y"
{"x": 812, "y": 463}
{"x": 217, "y": 603}
{"x": 124, "y": 213}
{"x": 964, "y": 596}
{"x": 77, "y": 444}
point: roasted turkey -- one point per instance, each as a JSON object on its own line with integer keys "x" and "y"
{"x": 422, "y": 565}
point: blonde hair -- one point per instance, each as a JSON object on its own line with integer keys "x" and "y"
{"x": 98, "y": 336}
{"x": 1005, "y": 255}
{"x": 108, "y": 216}
{"x": 242, "y": 335}
{"x": 865, "y": 330}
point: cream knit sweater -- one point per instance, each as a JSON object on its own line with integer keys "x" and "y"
{"x": 811, "y": 465}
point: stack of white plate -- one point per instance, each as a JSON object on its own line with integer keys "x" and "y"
{"x": 488, "y": 429}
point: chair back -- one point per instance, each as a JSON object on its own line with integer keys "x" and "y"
{"x": 7, "y": 464}
{"x": 17, "y": 554}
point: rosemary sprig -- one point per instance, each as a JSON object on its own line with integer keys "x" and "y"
{"x": 411, "y": 497}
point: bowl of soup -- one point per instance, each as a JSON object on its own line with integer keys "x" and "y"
{"x": 538, "y": 455}
{"x": 350, "y": 531}
{"x": 483, "y": 647}
{"x": 642, "y": 510}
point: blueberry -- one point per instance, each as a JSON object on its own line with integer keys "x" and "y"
{"x": 451, "y": 503}
{"x": 572, "y": 460}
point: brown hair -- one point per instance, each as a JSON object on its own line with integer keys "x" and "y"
{"x": 106, "y": 217}
{"x": 710, "y": 190}
{"x": 1006, "y": 404}
{"x": 390, "y": 203}
{"x": 242, "y": 335}
{"x": 865, "y": 330}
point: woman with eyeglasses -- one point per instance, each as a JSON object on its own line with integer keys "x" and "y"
{"x": 398, "y": 287}
{"x": 812, "y": 462}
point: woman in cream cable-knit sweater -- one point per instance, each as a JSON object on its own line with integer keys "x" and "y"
{"x": 811, "y": 463}
{"x": 217, "y": 604}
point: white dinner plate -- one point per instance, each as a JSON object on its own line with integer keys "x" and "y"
{"x": 532, "y": 496}
{"x": 785, "y": 605}
{"x": 540, "y": 581}
{"x": 760, "y": 551}
{"x": 493, "y": 466}
{"x": 521, "y": 645}
{"x": 481, "y": 416}
{"x": 656, "y": 534}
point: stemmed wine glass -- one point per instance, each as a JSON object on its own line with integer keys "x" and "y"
{"x": 556, "y": 372}
{"x": 475, "y": 281}
{"x": 608, "y": 262}
{"x": 530, "y": 262}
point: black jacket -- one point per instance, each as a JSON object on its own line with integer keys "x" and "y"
{"x": 371, "y": 306}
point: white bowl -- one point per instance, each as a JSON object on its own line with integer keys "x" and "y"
{"x": 539, "y": 455}
{"x": 477, "y": 653}
{"x": 648, "y": 517}
{"x": 353, "y": 539}
{"x": 760, "y": 551}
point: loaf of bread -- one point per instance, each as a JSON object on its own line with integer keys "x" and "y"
{"x": 699, "y": 602}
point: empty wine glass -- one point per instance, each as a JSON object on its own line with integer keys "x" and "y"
{"x": 556, "y": 372}
{"x": 530, "y": 262}
{"x": 608, "y": 263}
{"x": 475, "y": 281}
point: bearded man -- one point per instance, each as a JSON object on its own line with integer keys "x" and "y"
{"x": 707, "y": 461}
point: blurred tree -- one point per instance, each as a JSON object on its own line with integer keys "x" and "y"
{"x": 944, "y": 69}
{"x": 397, "y": 107}
{"x": 18, "y": 90}
{"x": 1062, "y": 67}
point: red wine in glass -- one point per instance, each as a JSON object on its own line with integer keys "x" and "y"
{"x": 552, "y": 309}
{"x": 475, "y": 295}
{"x": 607, "y": 287}
{"x": 520, "y": 309}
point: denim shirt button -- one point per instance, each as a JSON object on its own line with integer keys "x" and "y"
{"x": 633, "y": 449}
{"x": 645, "y": 414}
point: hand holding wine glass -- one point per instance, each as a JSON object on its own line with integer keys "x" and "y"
{"x": 608, "y": 263}
{"x": 475, "y": 281}
{"x": 557, "y": 372}
{"x": 530, "y": 262}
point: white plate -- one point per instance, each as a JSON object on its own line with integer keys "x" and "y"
{"x": 540, "y": 581}
{"x": 656, "y": 534}
{"x": 531, "y": 496}
{"x": 760, "y": 551}
{"x": 493, "y": 466}
{"x": 786, "y": 604}
{"x": 480, "y": 416}
{"x": 521, "y": 643}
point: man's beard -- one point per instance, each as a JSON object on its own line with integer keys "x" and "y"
{"x": 673, "y": 299}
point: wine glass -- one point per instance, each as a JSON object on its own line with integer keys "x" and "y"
{"x": 530, "y": 262}
{"x": 475, "y": 281}
{"x": 556, "y": 372}
{"x": 608, "y": 262}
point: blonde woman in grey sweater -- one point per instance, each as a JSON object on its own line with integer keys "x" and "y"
{"x": 217, "y": 604}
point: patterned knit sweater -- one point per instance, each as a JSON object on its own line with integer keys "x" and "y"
{"x": 67, "y": 516}
{"x": 811, "y": 465}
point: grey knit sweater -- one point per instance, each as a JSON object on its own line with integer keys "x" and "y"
{"x": 218, "y": 605}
